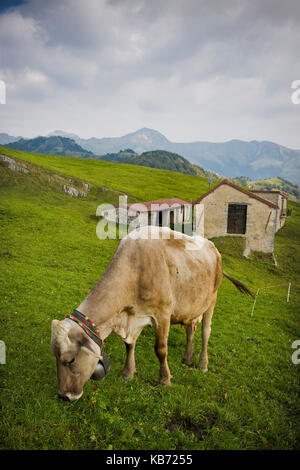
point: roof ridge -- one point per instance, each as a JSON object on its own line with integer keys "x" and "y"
{"x": 269, "y": 191}
{"x": 238, "y": 188}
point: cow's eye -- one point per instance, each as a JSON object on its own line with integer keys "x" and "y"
{"x": 69, "y": 363}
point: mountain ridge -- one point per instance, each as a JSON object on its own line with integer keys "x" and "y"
{"x": 234, "y": 158}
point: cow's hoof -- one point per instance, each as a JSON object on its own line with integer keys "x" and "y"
{"x": 165, "y": 382}
{"x": 127, "y": 377}
{"x": 203, "y": 368}
{"x": 187, "y": 362}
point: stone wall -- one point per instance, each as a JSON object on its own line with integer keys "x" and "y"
{"x": 64, "y": 183}
{"x": 13, "y": 165}
{"x": 281, "y": 202}
{"x": 261, "y": 218}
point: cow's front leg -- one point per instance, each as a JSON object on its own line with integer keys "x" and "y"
{"x": 189, "y": 350}
{"x": 161, "y": 350}
{"x": 206, "y": 329}
{"x": 129, "y": 368}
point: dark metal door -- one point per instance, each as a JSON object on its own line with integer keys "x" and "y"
{"x": 237, "y": 218}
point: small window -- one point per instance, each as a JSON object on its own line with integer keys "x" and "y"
{"x": 237, "y": 218}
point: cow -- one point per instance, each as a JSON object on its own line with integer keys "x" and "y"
{"x": 155, "y": 277}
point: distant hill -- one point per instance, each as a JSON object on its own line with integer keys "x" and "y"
{"x": 256, "y": 160}
{"x": 7, "y": 139}
{"x": 160, "y": 159}
{"x": 55, "y": 145}
{"x": 271, "y": 184}
{"x": 155, "y": 159}
{"x": 123, "y": 156}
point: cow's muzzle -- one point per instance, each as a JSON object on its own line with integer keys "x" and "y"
{"x": 102, "y": 368}
{"x": 70, "y": 396}
{"x": 63, "y": 397}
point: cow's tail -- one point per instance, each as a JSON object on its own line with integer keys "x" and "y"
{"x": 239, "y": 285}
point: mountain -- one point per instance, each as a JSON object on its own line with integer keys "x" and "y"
{"x": 54, "y": 145}
{"x": 140, "y": 141}
{"x": 7, "y": 139}
{"x": 257, "y": 160}
{"x": 69, "y": 135}
{"x": 163, "y": 160}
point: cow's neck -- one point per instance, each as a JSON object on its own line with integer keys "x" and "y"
{"x": 105, "y": 301}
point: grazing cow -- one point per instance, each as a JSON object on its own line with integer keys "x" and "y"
{"x": 159, "y": 281}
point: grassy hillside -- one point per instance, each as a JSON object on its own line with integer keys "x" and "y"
{"x": 141, "y": 182}
{"x": 50, "y": 258}
{"x": 273, "y": 184}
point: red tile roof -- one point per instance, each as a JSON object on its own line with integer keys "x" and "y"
{"x": 174, "y": 202}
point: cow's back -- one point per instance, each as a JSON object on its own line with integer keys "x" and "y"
{"x": 179, "y": 274}
{"x": 195, "y": 275}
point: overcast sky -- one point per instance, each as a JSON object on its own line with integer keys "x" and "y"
{"x": 194, "y": 70}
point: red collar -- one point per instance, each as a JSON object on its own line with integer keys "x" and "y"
{"x": 87, "y": 325}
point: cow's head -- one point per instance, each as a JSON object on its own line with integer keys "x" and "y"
{"x": 76, "y": 356}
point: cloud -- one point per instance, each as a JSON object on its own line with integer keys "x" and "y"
{"x": 194, "y": 70}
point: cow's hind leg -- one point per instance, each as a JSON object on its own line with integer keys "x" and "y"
{"x": 161, "y": 350}
{"x": 129, "y": 368}
{"x": 189, "y": 350}
{"x": 206, "y": 329}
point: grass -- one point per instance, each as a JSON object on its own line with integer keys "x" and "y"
{"x": 50, "y": 258}
{"x": 142, "y": 183}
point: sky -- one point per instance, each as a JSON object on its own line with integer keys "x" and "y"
{"x": 194, "y": 70}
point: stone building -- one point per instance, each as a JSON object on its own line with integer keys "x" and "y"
{"x": 280, "y": 199}
{"x": 225, "y": 210}
{"x": 163, "y": 212}
{"x": 230, "y": 210}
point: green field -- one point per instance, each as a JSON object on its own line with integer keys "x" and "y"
{"x": 50, "y": 258}
{"x": 142, "y": 183}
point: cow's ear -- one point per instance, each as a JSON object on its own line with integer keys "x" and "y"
{"x": 86, "y": 346}
{"x": 55, "y": 325}
{"x": 88, "y": 350}
{"x": 78, "y": 336}
{"x": 57, "y": 328}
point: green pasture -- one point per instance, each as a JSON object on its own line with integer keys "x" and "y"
{"x": 50, "y": 258}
